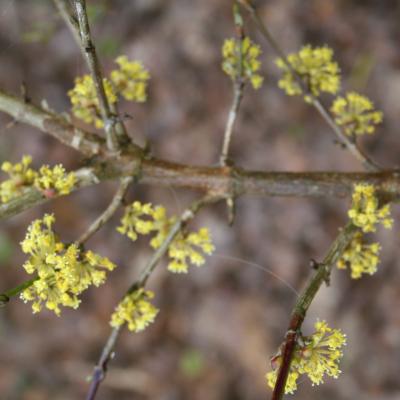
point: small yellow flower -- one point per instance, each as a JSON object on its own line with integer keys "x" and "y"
{"x": 85, "y": 104}
{"x": 315, "y": 67}
{"x": 241, "y": 60}
{"x": 315, "y": 356}
{"x": 130, "y": 80}
{"x": 20, "y": 177}
{"x": 291, "y": 382}
{"x": 55, "y": 179}
{"x": 356, "y": 114}
{"x": 185, "y": 249}
{"x": 138, "y": 219}
{"x": 135, "y": 310}
{"x": 360, "y": 257}
{"x": 64, "y": 272}
{"x": 366, "y": 212}
{"x": 49, "y": 181}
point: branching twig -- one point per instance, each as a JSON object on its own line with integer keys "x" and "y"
{"x": 303, "y": 303}
{"x": 350, "y": 145}
{"x": 110, "y": 210}
{"x": 100, "y": 369}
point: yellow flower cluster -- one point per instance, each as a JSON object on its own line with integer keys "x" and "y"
{"x": 360, "y": 257}
{"x": 135, "y": 310}
{"x": 315, "y": 67}
{"x": 20, "y": 175}
{"x": 186, "y": 248}
{"x": 315, "y": 356}
{"x": 356, "y": 114}
{"x": 49, "y": 181}
{"x": 63, "y": 272}
{"x": 241, "y": 60}
{"x": 365, "y": 211}
{"x": 55, "y": 180}
{"x": 85, "y": 104}
{"x": 129, "y": 81}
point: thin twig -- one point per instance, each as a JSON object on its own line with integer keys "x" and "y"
{"x": 350, "y": 145}
{"x": 100, "y": 369}
{"x": 109, "y": 212}
{"x": 300, "y": 309}
{"x": 108, "y": 118}
{"x": 238, "y": 88}
{"x": 233, "y": 112}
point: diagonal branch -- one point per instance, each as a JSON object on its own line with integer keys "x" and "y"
{"x": 303, "y": 303}
{"x": 100, "y": 369}
{"x": 51, "y": 123}
{"x": 350, "y": 145}
{"x": 109, "y": 211}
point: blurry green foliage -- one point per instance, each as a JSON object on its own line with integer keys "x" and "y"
{"x": 192, "y": 363}
{"x": 38, "y": 33}
{"x": 95, "y": 11}
{"x": 109, "y": 47}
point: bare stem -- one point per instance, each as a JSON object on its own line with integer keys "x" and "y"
{"x": 233, "y": 112}
{"x": 350, "y": 145}
{"x": 100, "y": 369}
{"x": 109, "y": 212}
{"x": 300, "y": 309}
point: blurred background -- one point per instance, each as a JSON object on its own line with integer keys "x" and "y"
{"x": 220, "y": 324}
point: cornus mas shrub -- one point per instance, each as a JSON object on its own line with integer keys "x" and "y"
{"x": 60, "y": 271}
